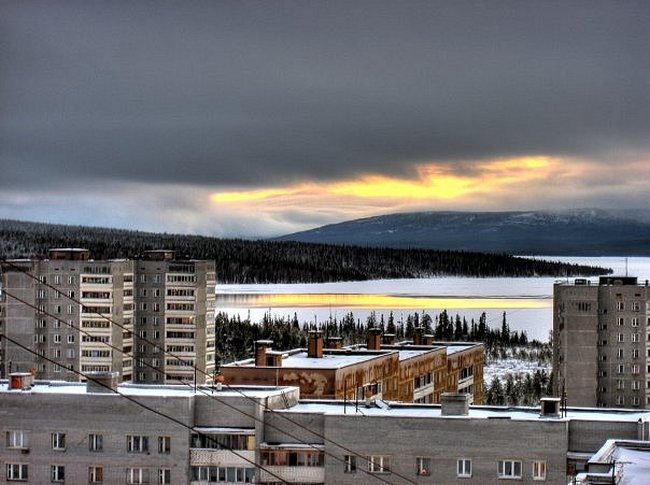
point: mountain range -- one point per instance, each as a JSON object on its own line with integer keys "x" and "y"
{"x": 577, "y": 232}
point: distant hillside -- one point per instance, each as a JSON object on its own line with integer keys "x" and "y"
{"x": 240, "y": 261}
{"x": 585, "y": 232}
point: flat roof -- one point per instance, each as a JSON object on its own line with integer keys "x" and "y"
{"x": 402, "y": 410}
{"x": 331, "y": 359}
{"x": 127, "y": 389}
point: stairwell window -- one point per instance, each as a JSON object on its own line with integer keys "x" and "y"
{"x": 95, "y": 442}
{"x": 509, "y": 469}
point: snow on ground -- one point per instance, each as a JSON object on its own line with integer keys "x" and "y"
{"x": 502, "y": 367}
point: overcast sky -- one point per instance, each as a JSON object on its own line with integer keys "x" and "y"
{"x": 236, "y": 118}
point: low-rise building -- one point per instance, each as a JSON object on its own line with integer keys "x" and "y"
{"x": 139, "y": 434}
{"x": 407, "y": 371}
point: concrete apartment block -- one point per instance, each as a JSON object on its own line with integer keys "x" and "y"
{"x": 600, "y": 342}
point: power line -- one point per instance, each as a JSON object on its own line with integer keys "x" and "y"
{"x": 144, "y": 406}
{"x": 196, "y": 369}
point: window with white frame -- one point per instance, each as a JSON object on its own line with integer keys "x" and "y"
{"x": 636, "y": 306}
{"x": 509, "y": 469}
{"x": 17, "y": 472}
{"x": 136, "y": 476}
{"x": 71, "y": 353}
{"x": 636, "y": 337}
{"x": 464, "y": 467}
{"x": 423, "y": 466}
{"x": 619, "y": 353}
{"x": 56, "y": 338}
{"x": 635, "y": 321}
{"x": 379, "y": 464}
{"x": 164, "y": 476}
{"x": 620, "y": 306}
{"x": 539, "y": 470}
{"x": 619, "y": 400}
{"x": 620, "y": 337}
{"x": 58, "y": 441}
{"x": 635, "y": 368}
{"x": 137, "y": 444}
{"x": 95, "y": 442}
{"x": 57, "y": 473}
{"x": 620, "y": 368}
{"x": 620, "y": 384}
{"x": 636, "y": 385}
{"x": 636, "y": 401}
{"x": 164, "y": 444}
{"x": 350, "y": 463}
{"x": 95, "y": 474}
{"x": 17, "y": 439}
{"x": 70, "y": 339}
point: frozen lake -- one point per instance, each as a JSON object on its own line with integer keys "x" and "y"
{"x": 528, "y": 302}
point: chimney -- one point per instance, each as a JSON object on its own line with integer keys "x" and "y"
{"x": 454, "y": 404}
{"x": 260, "y": 352}
{"x": 418, "y": 335}
{"x": 428, "y": 339}
{"x": 21, "y": 381}
{"x": 550, "y": 407}
{"x": 335, "y": 343}
{"x": 389, "y": 339}
{"x": 315, "y": 345}
{"x": 374, "y": 339}
{"x": 102, "y": 382}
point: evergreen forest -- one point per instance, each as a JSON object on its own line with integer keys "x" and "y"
{"x": 264, "y": 261}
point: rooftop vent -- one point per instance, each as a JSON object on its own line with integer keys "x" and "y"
{"x": 454, "y": 404}
{"x": 335, "y": 343}
{"x": 260, "y": 352}
{"x": 374, "y": 339}
{"x": 550, "y": 406}
{"x": 102, "y": 382}
{"x": 21, "y": 381}
{"x": 315, "y": 345}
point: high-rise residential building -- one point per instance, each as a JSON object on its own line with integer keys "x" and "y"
{"x": 110, "y": 315}
{"x": 601, "y": 343}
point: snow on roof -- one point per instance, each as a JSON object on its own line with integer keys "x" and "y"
{"x": 400, "y": 410}
{"x": 127, "y": 389}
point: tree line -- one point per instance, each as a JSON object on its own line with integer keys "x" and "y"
{"x": 263, "y": 261}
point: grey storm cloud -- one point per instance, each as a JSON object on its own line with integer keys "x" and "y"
{"x": 251, "y": 93}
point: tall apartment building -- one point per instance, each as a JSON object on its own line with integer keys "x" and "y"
{"x": 601, "y": 346}
{"x": 114, "y": 315}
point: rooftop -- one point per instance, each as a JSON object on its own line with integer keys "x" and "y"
{"x": 331, "y": 359}
{"x": 399, "y": 410}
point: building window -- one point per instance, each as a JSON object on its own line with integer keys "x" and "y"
{"x": 636, "y": 385}
{"x": 539, "y": 470}
{"x": 509, "y": 469}
{"x": 17, "y": 472}
{"x": 95, "y": 442}
{"x": 619, "y": 353}
{"x": 620, "y": 384}
{"x": 423, "y": 466}
{"x": 636, "y": 306}
{"x": 71, "y": 339}
{"x": 95, "y": 474}
{"x": 620, "y": 369}
{"x": 164, "y": 444}
{"x": 635, "y": 353}
{"x": 71, "y": 353}
{"x": 136, "y": 476}
{"x": 379, "y": 464}
{"x": 635, "y": 368}
{"x": 464, "y": 468}
{"x": 636, "y": 337}
{"x": 636, "y": 401}
{"x": 350, "y": 463}
{"x": 619, "y": 400}
{"x": 58, "y": 441}
{"x": 17, "y": 439}
{"x": 137, "y": 444}
{"x": 620, "y": 306}
{"x": 164, "y": 476}
{"x": 57, "y": 473}
{"x": 620, "y": 321}
{"x": 620, "y": 337}
{"x": 635, "y": 321}
{"x": 56, "y": 338}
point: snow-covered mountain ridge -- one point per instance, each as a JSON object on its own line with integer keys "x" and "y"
{"x": 568, "y": 232}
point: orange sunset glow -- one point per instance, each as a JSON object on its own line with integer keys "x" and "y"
{"x": 433, "y": 182}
